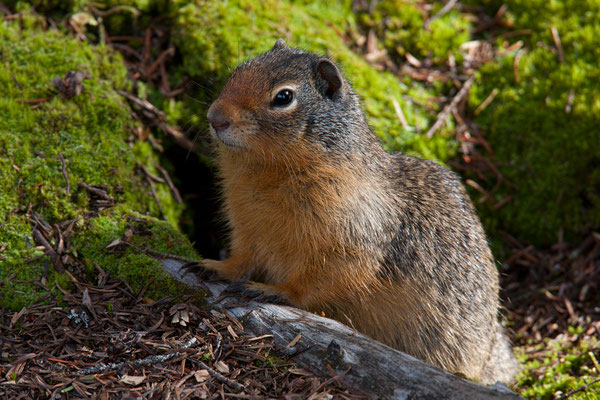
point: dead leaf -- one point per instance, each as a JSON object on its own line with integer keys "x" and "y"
{"x": 222, "y": 367}
{"x": 72, "y": 84}
{"x": 412, "y": 60}
{"x": 232, "y": 332}
{"x": 181, "y": 317}
{"x": 86, "y": 300}
{"x": 132, "y": 380}
{"x": 113, "y": 243}
{"x": 201, "y": 375}
{"x": 81, "y": 19}
{"x": 17, "y": 315}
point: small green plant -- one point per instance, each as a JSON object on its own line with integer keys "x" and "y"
{"x": 556, "y": 367}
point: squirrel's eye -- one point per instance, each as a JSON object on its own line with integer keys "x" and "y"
{"x": 283, "y": 98}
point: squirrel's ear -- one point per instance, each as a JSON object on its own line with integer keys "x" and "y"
{"x": 331, "y": 75}
{"x": 279, "y": 44}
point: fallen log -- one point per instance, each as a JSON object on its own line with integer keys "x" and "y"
{"x": 322, "y": 345}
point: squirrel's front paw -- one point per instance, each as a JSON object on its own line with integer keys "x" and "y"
{"x": 254, "y": 291}
{"x": 199, "y": 268}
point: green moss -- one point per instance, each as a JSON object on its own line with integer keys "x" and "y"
{"x": 90, "y": 131}
{"x": 272, "y": 361}
{"x": 58, "y": 6}
{"x": 565, "y": 367}
{"x": 128, "y": 260}
{"x": 400, "y": 25}
{"x": 213, "y": 37}
{"x": 549, "y": 154}
{"x": 119, "y": 17}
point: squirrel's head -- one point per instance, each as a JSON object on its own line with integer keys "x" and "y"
{"x": 285, "y": 100}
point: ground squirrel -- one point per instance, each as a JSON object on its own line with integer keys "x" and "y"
{"x": 386, "y": 243}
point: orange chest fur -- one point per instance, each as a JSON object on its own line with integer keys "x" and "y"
{"x": 286, "y": 215}
{"x": 299, "y": 221}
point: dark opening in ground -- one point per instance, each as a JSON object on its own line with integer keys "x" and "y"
{"x": 198, "y": 187}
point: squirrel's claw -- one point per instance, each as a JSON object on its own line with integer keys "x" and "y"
{"x": 198, "y": 269}
{"x": 251, "y": 291}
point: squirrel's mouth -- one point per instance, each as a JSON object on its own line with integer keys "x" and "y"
{"x": 231, "y": 146}
{"x": 224, "y": 137}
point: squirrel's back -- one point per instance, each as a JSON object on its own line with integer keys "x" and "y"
{"x": 325, "y": 218}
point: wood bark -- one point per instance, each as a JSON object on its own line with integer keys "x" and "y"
{"x": 360, "y": 362}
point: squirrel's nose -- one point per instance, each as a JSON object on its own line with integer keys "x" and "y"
{"x": 218, "y": 119}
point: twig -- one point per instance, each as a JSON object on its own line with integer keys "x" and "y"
{"x": 513, "y": 47}
{"x": 37, "y": 235}
{"x": 569, "y": 101}
{"x": 294, "y": 341}
{"x": 169, "y": 52}
{"x": 144, "y": 104}
{"x": 11, "y": 17}
{"x": 331, "y": 380}
{"x": 168, "y": 130}
{"x": 594, "y": 361}
{"x": 149, "y": 179}
{"x": 127, "y": 49}
{"x": 518, "y": 32}
{"x": 443, "y": 116}
{"x": 558, "y": 44}
{"x": 501, "y": 11}
{"x": 124, "y": 38}
{"x": 3, "y": 247}
{"x": 516, "y": 64}
{"x": 34, "y": 101}
{"x": 4, "y": 9}
{"x": 167, "y": 255}
{"x": 400, "y": 114}
{"x": 149, "y": 174}
{"x": 180, "y": 138}
{"x": 477, "y": 186}
{"x": 164, "y": 86}
{"x": 486, "y": 102}
{"x": 101, "y": 367}
{"x": 16, "y": 82}
{"x": 223, "y": 379}
{"x": 59, "y": 240}
{"x": 64, "y": 171}
{"x": 58, "y": 265}
{"x": 579, "y": 389}
{"x": 147, "y": 45}
{"x": 98, "y": 192}
{"x": 447, "y": 7}
{"x": 174, "y": 190}
{"x": 136, "y": 13}
{"x": 504, "y": 201}
{"x": 39, "y": 220}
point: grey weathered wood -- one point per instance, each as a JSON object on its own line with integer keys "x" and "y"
{"x": 372, "y": 367}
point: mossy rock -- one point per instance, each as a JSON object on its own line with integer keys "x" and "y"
{"x": 213, "y": 37}
{"x": 545, "y": 127}
{"x": 91, "y": 133}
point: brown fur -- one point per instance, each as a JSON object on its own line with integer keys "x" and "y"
{"x": 386, "y": 243}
